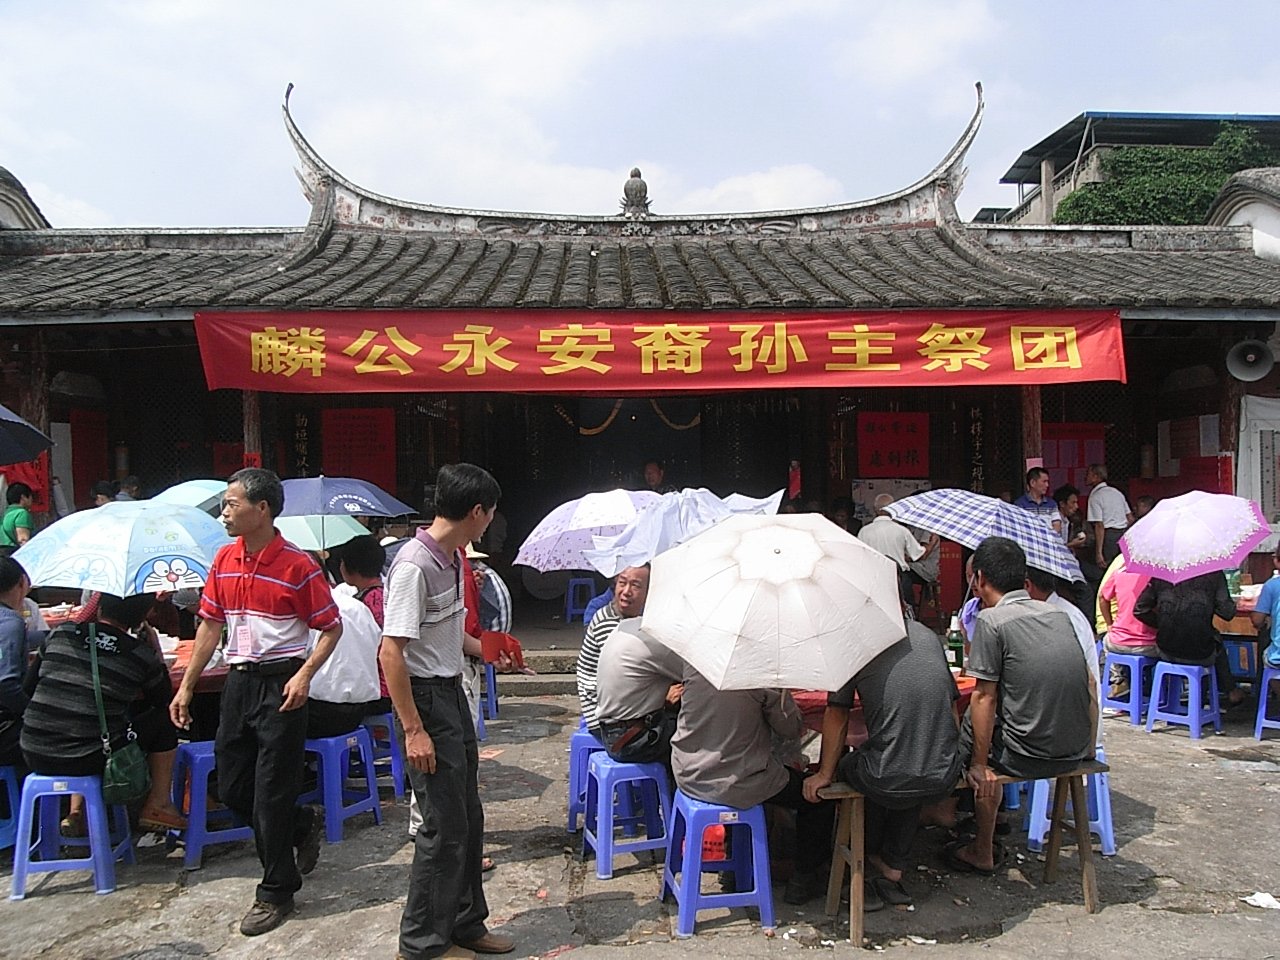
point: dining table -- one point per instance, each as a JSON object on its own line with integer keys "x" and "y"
{"x": 212, "y": 679}
{"x": 813, "y": 704}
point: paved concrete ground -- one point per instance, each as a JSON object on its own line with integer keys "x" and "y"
{"x": 1195, "y": 825}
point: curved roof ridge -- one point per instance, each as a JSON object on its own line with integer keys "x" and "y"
{"x": 914, "y": 204}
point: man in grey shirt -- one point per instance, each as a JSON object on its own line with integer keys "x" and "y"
{"x": 637, "y": 693}
{"x": 910, "y": 758}
{"x": 722, "y": 752}
{"x": 1032, "y": 713}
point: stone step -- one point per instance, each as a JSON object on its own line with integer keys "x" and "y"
{"x": 552, "y": 661}
{"x": 536, "y": 685}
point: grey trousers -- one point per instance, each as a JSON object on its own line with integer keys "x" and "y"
{"x": 446, "y": 902}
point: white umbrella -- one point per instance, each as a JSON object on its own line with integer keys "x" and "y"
{"x": 783, "y": 601}
{"x": 204, "y": 495}
{"x": 320, "y": 532}
{"x": 677, "y": 517}
{"x": 558, "y": 541}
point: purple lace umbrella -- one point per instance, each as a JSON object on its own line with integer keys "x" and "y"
{"x": 1198, "y": 532}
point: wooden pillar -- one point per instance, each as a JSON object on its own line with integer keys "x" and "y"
{"x": 33, "y": 397}
{"x": 252, "y": 427}
{"x": 1032, "y": 441}
{"x": 1229, "y": 415}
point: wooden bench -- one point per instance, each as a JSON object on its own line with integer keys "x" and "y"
{"x": 849, "y": 842}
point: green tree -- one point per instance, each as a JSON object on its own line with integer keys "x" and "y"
{"x": 1167, "y": 185}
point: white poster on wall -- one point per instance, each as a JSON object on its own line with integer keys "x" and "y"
{"x": 864, "y": 493}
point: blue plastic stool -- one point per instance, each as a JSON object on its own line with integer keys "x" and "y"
{"x": 1135, "y": 704}
{"x": 481, "y": 734}
{"x": 1166, "y": 691}
{"x": 13, "y": 795}
{"x": 581, "y": 745}
{"x": 611, "y": 787}
{"x": 490, "y": 701}
{"x": 41, "y": 806}
{"x": 1269, "y": 673}
{"x": 1012, "y": 796}
{"x": 576, "y": 597}
{"x": 1097, "y": 788}
{"x": 748, "y": 859}
{"x": 388, "y": 757}
{"x": 196, "y": 760}
{"x": 339, "y": 802}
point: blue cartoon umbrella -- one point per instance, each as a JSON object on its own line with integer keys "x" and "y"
{"x": 125, "y": 547}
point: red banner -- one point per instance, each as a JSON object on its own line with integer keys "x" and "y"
{"x": 35, "y": 474}
{"x": 893, "y": 444}
{"x": 359, "y": 443}
{"x": 613, "y": 351}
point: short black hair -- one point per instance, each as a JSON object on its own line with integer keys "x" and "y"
{"x": 11, "y": 574}
{"x": 363, "y": 555}
{"x": 460, "y": 487}
{"x": 1035, "y": 472}
{"x": 260, "y": 485}
{"x": 103, "y": 488}
{"x": 1065, "y": 493}
{"x": 131, "y": 481}
{"x": 1042, "y": 579}
{"x": 17, "y": 490}
{"x": 1002, "y": 562}
{"x": 127, "y": 611}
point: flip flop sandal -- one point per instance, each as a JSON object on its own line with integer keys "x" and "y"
{"x": 951, "y": 857}
{"x": 892, "y": 892}
{"x": 161, "y": 821}
{"x": 487, "y": 864}
{"x": 871, "y": 900}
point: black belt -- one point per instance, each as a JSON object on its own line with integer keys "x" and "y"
{"x": 453, "y": 681}
{"x": 269, "y": 668}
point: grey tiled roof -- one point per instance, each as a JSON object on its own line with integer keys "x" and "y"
{"x": 944, "y": 266}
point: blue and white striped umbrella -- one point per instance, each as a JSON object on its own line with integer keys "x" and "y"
{"x": 969, "y": 518}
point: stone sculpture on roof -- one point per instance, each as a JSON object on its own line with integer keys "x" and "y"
{"x": 635, "y": 197}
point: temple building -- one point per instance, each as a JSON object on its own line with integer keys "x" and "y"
{"x": 881, "y": 344}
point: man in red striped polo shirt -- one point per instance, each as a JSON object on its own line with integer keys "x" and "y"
{"x": 269, "y": 595}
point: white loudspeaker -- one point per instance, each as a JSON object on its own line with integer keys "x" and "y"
{"x": 1250, "y": 360}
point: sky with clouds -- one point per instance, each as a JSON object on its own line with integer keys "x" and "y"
{"x": 167, "y": 112}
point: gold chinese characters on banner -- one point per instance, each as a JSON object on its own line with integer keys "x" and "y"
{"x": 613, "y": 352}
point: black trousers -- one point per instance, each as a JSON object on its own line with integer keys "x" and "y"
{"x": 259, "y": 753}
{"x": 813, "y": 823}
{"x": 446, "y": 902}
{"x": 328, "y": 719}
{"x": 890, "y": 832}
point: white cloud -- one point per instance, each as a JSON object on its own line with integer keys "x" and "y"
{"x": 65, "y": 211}
{"x": 778, "y": 188}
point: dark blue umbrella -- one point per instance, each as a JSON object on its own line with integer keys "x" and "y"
{"x": 339, "y": 496}
{"x": 19, "y": 440}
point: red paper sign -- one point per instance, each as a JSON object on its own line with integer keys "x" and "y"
{"x": 35, "y": 474}
{"x": 613, "y": 351}
{"x": 360, "y": 443}
{"x": 893, "y": 444}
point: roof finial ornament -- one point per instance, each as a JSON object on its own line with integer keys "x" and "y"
{"x": 635, "y": 197}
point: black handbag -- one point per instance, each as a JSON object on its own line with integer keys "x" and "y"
{"x": 126, "y": 777}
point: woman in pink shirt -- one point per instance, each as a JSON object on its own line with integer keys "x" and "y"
{"x": 1125, "y": 633}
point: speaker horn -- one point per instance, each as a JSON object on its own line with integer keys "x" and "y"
{"x": 1250, "y": 360}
